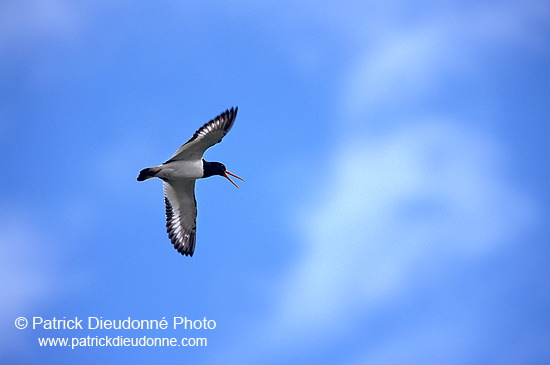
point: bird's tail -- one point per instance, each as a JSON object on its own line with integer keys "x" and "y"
{"x": 148, "y": 173}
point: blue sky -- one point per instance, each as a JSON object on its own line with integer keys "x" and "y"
{"x": 396, "y": 166}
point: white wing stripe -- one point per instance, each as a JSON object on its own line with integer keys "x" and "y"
{"x": 206, "y": 136}
{"x": 181, "y": 214}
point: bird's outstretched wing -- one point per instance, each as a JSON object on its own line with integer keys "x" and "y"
{"x": 206, "y": 136}
{"x": 181, "y": 214}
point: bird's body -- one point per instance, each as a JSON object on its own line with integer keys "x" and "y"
{"x": 182, "y": 169}
{"x": 179, "y": 174}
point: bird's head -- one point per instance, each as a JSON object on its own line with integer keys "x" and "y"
{"x": 217, "y": 168}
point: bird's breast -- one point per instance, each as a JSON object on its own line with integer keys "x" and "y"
{"x": 182, "y": 169}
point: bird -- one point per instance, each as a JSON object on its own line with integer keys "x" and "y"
{"x": 179, "y": 174}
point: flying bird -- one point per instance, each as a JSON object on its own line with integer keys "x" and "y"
{"x": 179, "y": 174}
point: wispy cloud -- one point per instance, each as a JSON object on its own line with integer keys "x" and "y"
{"x": 25, "y": 20}
{"x": 400, "y": 211}
{"x": 424, "y": 194}
{"x": 34, "y": 271}
{"x": 401, "y": 70}
{"x": 26, "y": 278}
{"x": 402, "y": 205}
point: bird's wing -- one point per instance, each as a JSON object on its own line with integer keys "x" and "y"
{"x": 206, "y": 136}
{"x": 181, "y": 214}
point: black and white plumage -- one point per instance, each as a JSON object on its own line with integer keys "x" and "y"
{"x": 179, "y": 174}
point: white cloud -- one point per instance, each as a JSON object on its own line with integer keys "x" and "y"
{"x": 26, "y": 276}
{"x": 34, "y": 271}
{"x": 401, "y": 210}
{"x": 398, "y": 70}
{"x": 440, "y": 341}
{"x": 400, "y": 205}
{"x": 34, "y": 19}
{"x": 423, "y": 195}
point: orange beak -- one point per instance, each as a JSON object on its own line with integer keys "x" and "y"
{"x": 227, "y": 173}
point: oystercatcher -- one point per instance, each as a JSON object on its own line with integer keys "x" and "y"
{"x": 179, "y": 174}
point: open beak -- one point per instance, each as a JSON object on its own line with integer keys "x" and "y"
{"x": 227, "y": 173}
